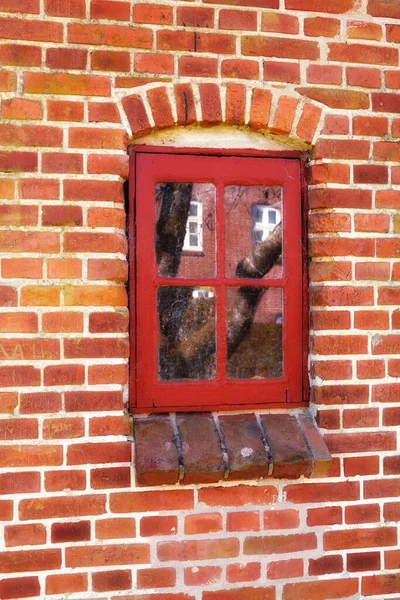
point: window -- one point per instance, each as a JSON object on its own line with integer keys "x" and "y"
{"x": 218, "y": 281}
{"x": 194, "y": 226}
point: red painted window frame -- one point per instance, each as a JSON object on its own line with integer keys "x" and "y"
{"x": 155, "y": 164}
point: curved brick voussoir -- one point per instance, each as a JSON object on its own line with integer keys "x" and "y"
{"x": 209, "y": 104}
{"x": 238, "y": 448}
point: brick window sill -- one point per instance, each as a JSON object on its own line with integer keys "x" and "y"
{"x": 208, "y": 448}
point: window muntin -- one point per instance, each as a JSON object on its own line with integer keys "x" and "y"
{"x": 217, "y": 380}
{"x": 194, "y": 227}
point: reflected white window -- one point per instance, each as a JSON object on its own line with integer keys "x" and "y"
{"x": 194, "y": 231}
{"x": 265, "y": 219}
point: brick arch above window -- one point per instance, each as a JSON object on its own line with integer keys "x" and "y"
{"x": 268, "y": 111}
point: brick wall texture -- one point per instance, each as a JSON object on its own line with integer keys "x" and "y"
{"x": 80, "y": 80}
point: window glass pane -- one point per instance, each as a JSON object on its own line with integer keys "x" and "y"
{"x": 253, "y": 236}
{"x": 183, "y": 209}
{"x": 254, "y": 332}
{"x": 186, "y": 348}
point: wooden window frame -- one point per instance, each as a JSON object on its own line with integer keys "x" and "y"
{"x": 149, "y": 395}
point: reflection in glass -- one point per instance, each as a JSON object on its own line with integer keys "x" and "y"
{"x": 185, "y": 229}
{"x": 254, "y": 332}
{"x": 253, "y": 236}
{"x": 186, "y": 348}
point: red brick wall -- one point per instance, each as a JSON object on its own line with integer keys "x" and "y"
{"x": 79, "y": 80}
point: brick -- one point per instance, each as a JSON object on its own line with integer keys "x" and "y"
{"x": 156, "y": 578}
{"x": 197, "y": 66}
{"x": 241, "y": 432}
{"x": 237, "y": 20}
{"x": 98, "y": 453}
{"x": 106, "y": 60}
{"x": 32, "y": 30}
{"x": 26, "y": 268}
{"x": 155, "y": 526}
{"x": 19, "y": 587}
{"x": 373, "y": 126}
{"x": 17, "y": 161}
{"x": 73, "y": 8}
{"x": 235, "y": 104}
{"x": 113, "y": 139}
{"x": 70, "y": 532}
{"x": 30, "y": 560}
{"x": 137, "y": 116}
{"x": 279, "y": 23}
{"x": 360, "y": 538}
{"x": 96, "y": 348}
{"x": 40, "y": 402}
{"x": 360, "y": 465}
{"x": 332, "y": 6}
{"x": 64, "y": 428}
{"x": 21, "y": 429}
{"x": 342, "y": 296}
{"x": 115, "y": 165}
{"x": 363, "y": 53}
{"x": 333, "y": 369}
{"x": 111, "y": 477}
{"x": 321, "y": 27}
{"x": 331, "y": 515}
{"x": 320, "y": 590}
{"x": 203, "y": 461}
{"x": 363, "y": 30}
{"x": 19, "y": 108}
{"x": 386, "y": 102}
{"x": 203, "y": 523}
{"x": 320, "y": 247}
{"x": 335, "y": 98}
{"x": 66, "y": 83}
{"x": 185, "y": 104}
{"x": 8, "y": 81}
{"x": 357, "y": 442}
{"x": 102, "y": 426}
{"x": 328, "y": 74}
{"x": 329, "y": 419}
{"x": 25, "y": 535}
{"x": 387, "y": 248}
{"x": 19, "y": 483}
{"x": 210, "y": 104}
{"x": 330, "y": 173}
{"x": 322, "y": 492}
{"x": 112, "y": 580}
{"x": 342, "y": 149}
{"x": 370, "y": 174}
{"x": 160, "y": 107}
{"x": 243, "y": 521}
{"x": 17, "y": 376}
{"x": 115, "y": 528}
{"x": 154, "y": 63}
{"x": 66, "y": 583}
{"x": 153, "y": 14}
{"x": 107, "y": 555}
{"x": 325, "y": 565}
{"x": 66, "y": 58}
{"x": 370, "y": 369}
{"x": 63, "y": 110}
{"x": 279, "y": 544}
{"x": 116, "y": 11}
{"x": 208, "y": 549}
{"x": 279, "y": 47}
{"x": 194, "y": 16}
{"x": 58, "y": 481}
{"x": 308, "y": 122}
{"x": 6, "y": 510}
{"x": 62, "y": 322}
{"x": 153, "y": 466}
{"x": 260, "y": 108}
{"x": 284, "y": 115}
{"x": 197, "y": 576}
{"x": 8, "y": 296}
{"x": 264, "y": 593}
{"x": 370, "y": 513}
{"x": 151, "y": 501}
{"x": 385, "y": 392}
{"x": 281, "y": 71}
{"x": 281, "y": 519}
{"x": 289, "y": 459}
{"x": 95, "y": 296}
{"x": 60, "y": 507}
{"x": 383, "y": 8}
{"x": 30, "y": 135}
{"x": 109, "y": 35}
{"x": 59, "y": 162}
{"x": 378, "y": 271}
{"x": 363, "y": 77}
{"x": 86, "y": 401}
{"x": 328, "y": 270}
{"x": 336, "y": 125}
{"x": 240, "y": 69}
{"x": 104, "y": 112}
{"x": 285, "y": 569}
{"x": 24, "y": 6}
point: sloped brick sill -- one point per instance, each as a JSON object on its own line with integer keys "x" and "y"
{"x": 207, "y": 448}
